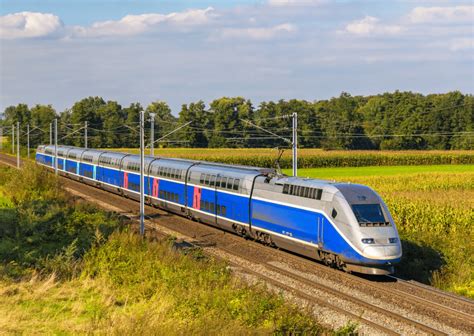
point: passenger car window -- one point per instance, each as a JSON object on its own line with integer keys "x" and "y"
{"x": 224, "y": 182}
{"x": 236, "y": 184}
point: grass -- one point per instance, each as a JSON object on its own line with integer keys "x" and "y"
{"x": 62, "y": 271}
{"x": 130, "y": 286}
{"x": 433, "y": 207}
{"x": 339, "y": 172}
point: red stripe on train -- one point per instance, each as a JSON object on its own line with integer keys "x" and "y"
{"x": 197, "y": 198}
{"x": 125, "y": 180}
{"x": 156, "y": 184}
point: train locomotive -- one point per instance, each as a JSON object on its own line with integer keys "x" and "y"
{"x": 344, "y": 225}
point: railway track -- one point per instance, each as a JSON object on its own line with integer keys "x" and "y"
{"x": 362, "y": 307}
{"x": 455, "y": 310}
{"x": 451, "y": 312}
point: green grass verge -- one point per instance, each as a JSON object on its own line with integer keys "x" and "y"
{"x": 338, "y": 172}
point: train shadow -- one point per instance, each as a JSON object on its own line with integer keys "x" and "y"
{"x": 418, "y": 263}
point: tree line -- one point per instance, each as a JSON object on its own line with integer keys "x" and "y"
{"x": 397, "y": 120}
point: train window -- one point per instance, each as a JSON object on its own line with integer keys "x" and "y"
{"x": 223, "y": 210}
{"x": 286, "y": 187}
{"x": 307, "y": 192}
{"x": 218, "y": 209}
{"x": 319, "y": 194}
{"x": 211, "y": 208}
{"x": 224, "y": 182}
{"x": 236, "y": 184}
{"x": 201, "y": 179}
{"x": 230, "y": 183}
{"x": 218, "y": 181}
{"x": 213, "y": 180}
{"x": 207, "y": 180}
{"x": 333, "y": 213}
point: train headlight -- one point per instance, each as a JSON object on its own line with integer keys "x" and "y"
{"x": 393, "y": 240}
{"x": 368, "y": 240}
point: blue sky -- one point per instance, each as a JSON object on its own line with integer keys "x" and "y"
{"x": 57, "y": 52}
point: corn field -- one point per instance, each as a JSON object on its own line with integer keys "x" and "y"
{"x": 314, "y": 158}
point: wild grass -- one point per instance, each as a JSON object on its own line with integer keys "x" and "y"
{"x": 434, "y": 213}
{"x": 132, "y": 286}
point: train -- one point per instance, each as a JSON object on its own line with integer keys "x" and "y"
{"x": 343, "y": 225}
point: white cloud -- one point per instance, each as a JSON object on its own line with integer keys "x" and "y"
{"x": 456, "y": 14}
{"x": 258, "y": 33}
{"x": 462, "y": 44}
{"x": 29, "y": 25}
{"x": 137, "y": 24}
{"x": 371, "y": 26}
{"x": 295, "y": 2}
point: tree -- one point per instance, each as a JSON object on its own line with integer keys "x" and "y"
{"x": 41, "y": 117}
{"x": 113, "y": 118}
{"x": 132, "y": 114}
{"x": 199, "y": 131}
{"x": 165, "y": 122}
{"x": 87, "y": 110}
{"x": 229, "y": 128}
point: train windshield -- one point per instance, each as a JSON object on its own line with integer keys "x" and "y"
{"x": 369, "y": 214}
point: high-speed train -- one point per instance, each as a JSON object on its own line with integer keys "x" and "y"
{"x": 344, "y": 225}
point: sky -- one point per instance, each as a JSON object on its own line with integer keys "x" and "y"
{"x": 58, "y": 52}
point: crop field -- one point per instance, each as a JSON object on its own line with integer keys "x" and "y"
{"x": 433, "y": 207}
{"x": 314, "y": 157}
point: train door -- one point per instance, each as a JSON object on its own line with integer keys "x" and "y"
{"x": 320, "y": 232}
{"x": 216, "y": 198}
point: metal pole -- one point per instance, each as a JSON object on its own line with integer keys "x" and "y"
{"x": 85, "y": 135}
{"x": 152, "y": 134}
{"x": 18, "y": 144}
{"x": 56, "y": 146}
{"x": 50, "y": 134}
{"x": 28, "y": 141}
{"x": 13, "y": 139}
{"x": 142, "y": 178}
{"x": 295, "y": 144}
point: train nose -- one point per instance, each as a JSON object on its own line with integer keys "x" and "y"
{"x": 383, "y": 251}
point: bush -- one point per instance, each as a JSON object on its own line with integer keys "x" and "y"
{"x": 44, "y": 221}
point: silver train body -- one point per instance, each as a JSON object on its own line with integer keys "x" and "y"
{"x": 344, "y": 225}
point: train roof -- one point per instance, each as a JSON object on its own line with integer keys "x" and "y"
{"x": 149, "y": 159}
